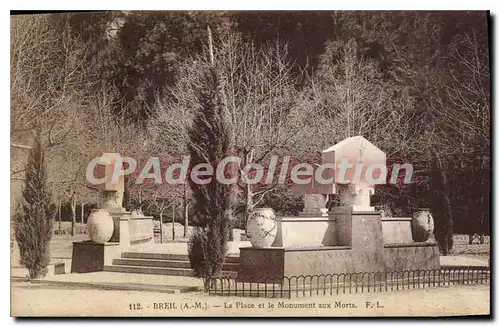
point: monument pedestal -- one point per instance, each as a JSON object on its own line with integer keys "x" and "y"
{"x": 89, "y": 256}
{"x": 354, "y": 243}
{"x": 352, "y": 239}
{"x": 129, "y": 228}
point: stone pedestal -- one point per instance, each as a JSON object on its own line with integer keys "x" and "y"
{"x": 90, "y": 257}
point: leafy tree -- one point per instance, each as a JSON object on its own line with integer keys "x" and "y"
{"x": 34, "y": 216}
{"x": 140, "y": 53}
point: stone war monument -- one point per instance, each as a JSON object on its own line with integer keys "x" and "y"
{"x": 352, "y": 238}
{"x": 111, "y": 228}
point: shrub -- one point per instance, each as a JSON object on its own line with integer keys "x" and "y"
{"x": 195, "y": 251}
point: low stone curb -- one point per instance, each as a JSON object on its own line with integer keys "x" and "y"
{"x": 170, "y": 289}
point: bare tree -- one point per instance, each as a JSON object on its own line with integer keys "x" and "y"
{"x": 267, "y": 114}
{"x": 99, "y": 130}
{"x": 46, "y": 77}
{"x": 46, "y": 86}
{"x": 354, "y": 97}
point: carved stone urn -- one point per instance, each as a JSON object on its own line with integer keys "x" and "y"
{"x": 422, "y": 225}
{"x": 262, "y": 227}
{"x": 112, "y": 200}
{"x": 100, "y": 226}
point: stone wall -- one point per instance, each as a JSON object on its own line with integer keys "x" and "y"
{"x": 141, "y": 229}
{"x": 397, "y": 230}
{"x": 415, "y": 256}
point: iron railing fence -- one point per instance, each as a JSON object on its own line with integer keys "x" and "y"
{"x": 346, "y": 283}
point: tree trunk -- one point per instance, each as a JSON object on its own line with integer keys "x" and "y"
{"x": 73, "y": 215}
{"x": 210, "y": 46}
{"x": 448, "y": 210}
{"x": 126, "y": 192}
{"x": 60, "y": 209}
{"x": 161, "y": 226}
{"x": 248, "y": 198}
{"x": 441, "y": 184}
{"x": 186, "y": 211}
{"x": 82, "y": 213}
{"x": 186, "y": 220}
{"x": 482, "y": 209}
{"x": 140, "y": 197}
{"x": 247, "y": 190}
{"x": 173, "y": 222}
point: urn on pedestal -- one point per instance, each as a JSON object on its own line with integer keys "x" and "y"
{"x": 262, "y": 227}
{"x": 422, "y": 225}
{"x": 100, "y": 226}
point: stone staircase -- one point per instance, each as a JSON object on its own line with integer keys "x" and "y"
{"x": 163, "y": 264}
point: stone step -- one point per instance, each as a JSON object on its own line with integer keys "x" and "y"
{"x": 150, "y": 270}
{"x": 158, "y": 270}
{"x": 166, "y": 256}
{"x": 165, "y": 263}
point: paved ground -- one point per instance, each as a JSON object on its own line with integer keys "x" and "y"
{"x": 119, "y": 281}
{"x": 105, "y": 277}
{"x": 46, "y": 300}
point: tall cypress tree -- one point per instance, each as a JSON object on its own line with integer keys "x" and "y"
{"x": 441, "y": 204}
{"x": 209, "y": 143}
{"x": 34, "y": 215}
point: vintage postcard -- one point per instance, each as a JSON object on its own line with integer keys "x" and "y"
{"x": 250, "y": 163}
